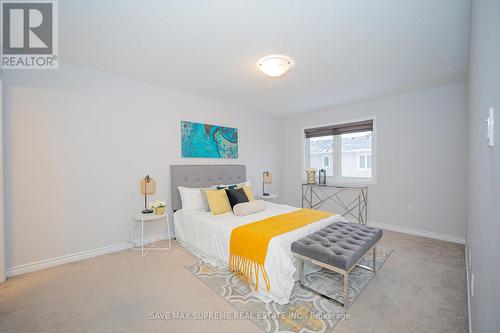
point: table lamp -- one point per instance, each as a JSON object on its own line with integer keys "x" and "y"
{"x": 267, "y": 178}
{"x": 148, "y": 186}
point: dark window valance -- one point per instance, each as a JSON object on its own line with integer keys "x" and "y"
{"x": 359, "y": 126}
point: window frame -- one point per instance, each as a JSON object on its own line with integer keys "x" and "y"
{"x": 365, "y": 155}
{"x": 336, "y": 178}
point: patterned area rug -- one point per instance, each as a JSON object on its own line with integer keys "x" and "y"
{"x": 306, "y": 312}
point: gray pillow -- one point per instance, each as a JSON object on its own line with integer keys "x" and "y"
{"x": 250, "y": 207}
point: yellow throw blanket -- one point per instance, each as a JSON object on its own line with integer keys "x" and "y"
{"x": 248, "y": 244}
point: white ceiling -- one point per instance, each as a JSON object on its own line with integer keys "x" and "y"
{"x": 345, "y": 50}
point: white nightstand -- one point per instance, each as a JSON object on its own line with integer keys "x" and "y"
{"x": 271, "y": 197}
{"x": 150, "y": 218}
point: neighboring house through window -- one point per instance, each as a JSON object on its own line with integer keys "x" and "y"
{"x": 345, "y": 151}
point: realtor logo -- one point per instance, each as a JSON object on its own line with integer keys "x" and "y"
{"x": 29, "y": 34}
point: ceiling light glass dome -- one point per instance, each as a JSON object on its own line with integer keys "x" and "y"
{"x": 275, "y": 65}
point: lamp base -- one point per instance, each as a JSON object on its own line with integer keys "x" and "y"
{"x": 265, "y": 194}
{"x": 147, "y": 211}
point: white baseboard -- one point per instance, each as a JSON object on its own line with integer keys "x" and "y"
{"x": 153, "y": 238}
{"x": 417, "y": 232}
{"x": 46, "y": 263}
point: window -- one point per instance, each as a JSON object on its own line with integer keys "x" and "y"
{"x": 343, "y": 151}
{"x": 326, "y": 161}
{"x": 321, "y": 153}
{"x": 364, "y": 162}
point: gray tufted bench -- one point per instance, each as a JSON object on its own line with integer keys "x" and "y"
{"x": 338, "y": 247}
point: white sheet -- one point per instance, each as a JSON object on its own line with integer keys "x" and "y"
{"x": 210, "y": 235}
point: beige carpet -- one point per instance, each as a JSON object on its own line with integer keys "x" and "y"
{"x": 422, "y": 288}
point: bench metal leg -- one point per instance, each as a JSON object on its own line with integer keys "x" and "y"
{"x": 303, "y": 285}
{"x": 374, "y": 265}
{"x": 343, "y": 305}
{"x": 345, "y": 274}
{"x": 301, "y": 271}
{"x": 346, "y": 290}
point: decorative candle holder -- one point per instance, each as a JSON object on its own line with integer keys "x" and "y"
{"x": 322, "y": 177}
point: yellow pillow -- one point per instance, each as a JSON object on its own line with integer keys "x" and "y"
{"x": 218, "y": 201}
{"x": 248, "y": 192}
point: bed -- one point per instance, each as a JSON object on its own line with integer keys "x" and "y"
{"x": 208, "y": 236}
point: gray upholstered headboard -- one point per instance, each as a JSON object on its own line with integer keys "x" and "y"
{"x": 199, "y": 175}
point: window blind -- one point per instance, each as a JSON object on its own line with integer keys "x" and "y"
{"x": 359, "y": 126}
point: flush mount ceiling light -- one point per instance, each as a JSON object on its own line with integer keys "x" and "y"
{"x": 275, "y": 65}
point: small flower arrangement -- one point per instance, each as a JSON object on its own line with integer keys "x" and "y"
{"x": 158, "y": 206}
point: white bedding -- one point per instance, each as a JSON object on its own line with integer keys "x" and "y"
{"x": 209, "y": 235}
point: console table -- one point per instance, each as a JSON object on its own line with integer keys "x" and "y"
{"x": 351, "y": 201}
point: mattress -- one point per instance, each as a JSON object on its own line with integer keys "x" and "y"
{"x": 208, "y": 237}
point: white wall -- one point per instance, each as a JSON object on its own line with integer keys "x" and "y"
{"x": 483, "y": 217}
{"x": 421, "y": 158}
{"x": 2, "y": 215}
{"x": 79, "y": 141}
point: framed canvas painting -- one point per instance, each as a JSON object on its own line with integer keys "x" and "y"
{"x": 208, "y": 141}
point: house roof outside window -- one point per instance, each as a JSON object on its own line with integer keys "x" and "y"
{"x": 350, "y": 144}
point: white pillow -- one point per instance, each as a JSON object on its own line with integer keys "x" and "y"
{"x": 192, "y": 199}
{"x": 246, "y": 208}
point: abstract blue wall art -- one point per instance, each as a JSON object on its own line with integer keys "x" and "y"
{"x": 208, "y": 141}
